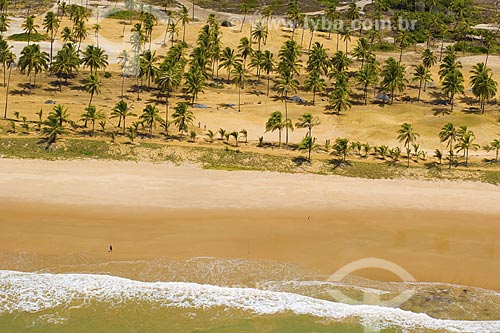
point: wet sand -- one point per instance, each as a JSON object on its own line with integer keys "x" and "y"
{"x": 159, "y": 211}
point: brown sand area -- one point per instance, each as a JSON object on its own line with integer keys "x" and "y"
{"x": 437, "y": 231}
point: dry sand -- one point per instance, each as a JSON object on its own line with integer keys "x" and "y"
{"x": 438, "y": 231}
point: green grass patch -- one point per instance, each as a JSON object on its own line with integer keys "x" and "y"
{"x": 124, "y": 14}
{"x": 34, "y": 37}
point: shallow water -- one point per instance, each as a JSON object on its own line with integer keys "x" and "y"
{"x": 221, "y": 295}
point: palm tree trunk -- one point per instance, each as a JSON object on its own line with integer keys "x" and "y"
{"x": 4, "y": 73}
{"x": 451, "y": 157}
{"x": 184, "y": 32}
{"x": 166, "y": 112}
{"x": 419, "y": 89}
{"x": 311, "y": 39}
{"x": 279, "y": 140}
{"x": 467, "y": 157}
{"x": 286, "y": 120}
{"x": 91, "y": 96}
{"x": 337, "y": 46}
{"x": 51, "y": 46}
{"x": 314, "y": 95}
{"x": 7, "y": 96}
{"x": 123, "y": 84}
{"x": 124, "y": 125}
{"x": 239, "y": 98}
{"x": 268, "y": 83}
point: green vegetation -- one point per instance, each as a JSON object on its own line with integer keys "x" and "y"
{"x": 124, "y": 14}
{"x": 33, "y": 37}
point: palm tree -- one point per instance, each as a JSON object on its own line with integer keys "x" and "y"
{"x": 169, "y": 78}
{"x": 239, "y": 80}
{"x": 67, "y": 35}
{"x": 95, "y": 58}
{"x": 52, "y": 129}
{"x": 183, "y": 117}
{"x": 259, "y": 33}
{"x": 121, "y": 111}
{"x": 268, "y": 66}
{"x": 340, "y": 63}
{"x": 494, "y": 145}
{"x": 91, "y": 114}
{"x": 96, "y": 27}
{"x": 428, "y": 58}
{"x": 346, "y": 34}
{"x": 194, "y": 82}
{"x": 34, "y": 60}
{"x": 483, "y": 85}
{"x": 148, "y": 67}
{"x": 124, "y": 62}
{"x": 421, "y": 74}
{"x": 318, "y": 59}
{"x": 276, "y": 122}
{"x": 51, "y": 24}
{"x": 286, "y": 84}
{"x": 184, "y": 19}
{"x": 308, "y": 143}
{"x": 150, "y": 115}
{"x": 403, "y": 39}
{"x": 340, "y": 96}
{"x": 449, "y": 134}
{"x": 10, "y": 60}
{"x": 466, "y": 143}
{"x": 65, "y": 63}
{"x": 307, "y": 120}
{"x": 341, "y": 148}
{"x": 244, "y": 134}
{"x": 80, "y": 32}
{"x": 450, "y": 63}
{"x": 362, "y": 50}
{"x": 4, "y": 23}
{"x": 393, "y": 77}
{"x": 366, "y": 77}
{"x": 93, "y": 86}
{"x": 407, "y": 135}
{"x": 29, "y": 26}
{"x": 453, "y": 84}
{"x": 5, "y": 50}
{"x": 245, "y": 50}
{"x": 60, "y": 114}
{"x": 315, "y": 83}
{"x": 228, "y": 60}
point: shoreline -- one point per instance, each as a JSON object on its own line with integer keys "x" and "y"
{"x": 149, "y": 211}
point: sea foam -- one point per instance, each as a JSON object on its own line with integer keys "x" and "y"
{"x": 33, "y": 292}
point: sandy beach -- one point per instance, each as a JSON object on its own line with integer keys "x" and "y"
{"x": 437, "y": 231}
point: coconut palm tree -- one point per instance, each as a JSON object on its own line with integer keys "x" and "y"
{"x": 33, "y": 60}
{"x": 286, "y": 84}
{"x": 276, "y": 122}
{"x": 318, "y": 59}
{"x": 366, "y": 77}
{"x": 315, "y": 83}
{"x": 393, "y": 77}
{"x": 4, "y": 23}
{"x": 362, "y": 50}
{"x": 259, "y": 33}
{"x": 421, "y": 74}
{"x": 5, "y": 50}
{"x": 168, "y": 79}
{"x": 93, "y": 86}
{"x": 449, "y": 134}
{"x": 346, "y": 33}
{"x": 184, "y": 19}
{"x": 96, "y": 27}
{"x": 340, "y": 98}
{"x": 453, "y": 84}
{"x": 149, "y": 117}
{"x": 428, "y": 58}
{"x": 91, "y": 114}
{"x": 29, "y": 27}
{"x": 268, "y": 65}
{"x": 10, "y": 60}
{"x": 289, "y": 56}
{"x": 239, "y": 79}
{"x": 51, "y": 25}
{"x": 228, "y": 60}
{"x": 65, "y": 63}
{"x": 95, "y": 58}
{"x": 308, "y": 144}
{"x": 80, "y": 32}
{"x": 404, "y": 39}
{"x": 194, "y": 82}
{"x": 52, "y": 129}
{"x": 494, "y": 145}
{"x": 147, "y": 63}
{"x": 60, "y": 114}
{"x": 482, "y": 83}
{"x": 67, "y": 35}
{"x": 466, "y": 143}
{"x": 450, "y": 63}
{"x": 407, "y": 135}
{"x": 124, "y": 61}
{"x": 339, "y": 63}
{"x": 341, "y": 148}
{"x": 245, "y": 50}
{"x": 183, "y": 117}
{"x": 307, "y": 120}
{"x": 121, "y": 111}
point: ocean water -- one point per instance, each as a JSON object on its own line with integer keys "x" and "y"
{"x": 218, "y": 295}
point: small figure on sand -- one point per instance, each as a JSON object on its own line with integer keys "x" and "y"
{"x": 111, "y": 248}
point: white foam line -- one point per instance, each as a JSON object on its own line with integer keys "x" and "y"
{"x": 32, "y": 292}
